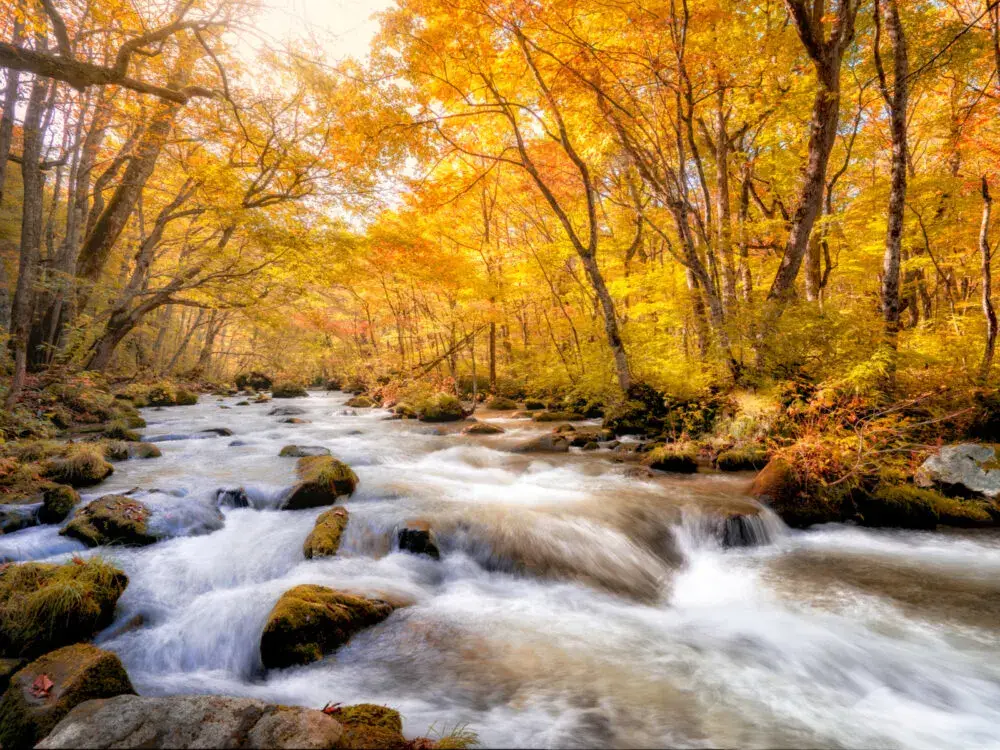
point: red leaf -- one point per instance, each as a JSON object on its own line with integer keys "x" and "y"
{"x": 331, "y": 708}
{"x": 41, "y": 686}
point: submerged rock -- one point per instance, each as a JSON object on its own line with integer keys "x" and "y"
{"x": 324, "y": 539}
{"x": 112, "y": 519}
{"x": 300, "y": 451}
{"x": 192, "y": 721}
{"x": 44, "y": 606}
{"x": 59, "y": 501}
{"x": 482, "y": 428}
{"x": 229, "y": 497}
{"x": 418, "y": 537}
{"x": 286, "y": 411}
{"x": 43, "y": 692}
{"x": 295, "y": 420}
{"x": 311, "y": 621}
{"x": 966, "y": 470}
{"x": 322, "y": 479}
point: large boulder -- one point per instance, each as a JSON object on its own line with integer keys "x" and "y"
{"x": 322, "y": 479}
{"x": 965, "y": 470}
{"x": 112, "y": 519}
{"x": 44, "y": 606}
{"x": 681, "y": 458}
{"x": 288, "y": 390}
{"x": 800, "y": 503}
{"x": 311, "y": 621}
{"x": 324, "y": 539}
{"x": 43, "y": 692}
{"x": 441, "y": 407}
{"x": 193, "y": 721}
{"x": 57, "y": 503}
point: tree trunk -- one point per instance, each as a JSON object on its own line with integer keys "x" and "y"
{"x": 988, "y": 311}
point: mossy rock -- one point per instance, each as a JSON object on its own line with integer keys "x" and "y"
{"x": 58, "y": 502}
{"x": 116, "y": 450}
{"x": 482, "y": 428}
{"x": 119, "y": 430}
{"x": 902, "y": 507}
{"x": 161, "y": 395}
{"x": 370, "y": 727}
{"x": 82, "y": 466}
{"x": 309, "y": 622}
{"x": 301, "y": 451}
{"x": 557, "y": 416}
{"x": 185, "y": 397}
{"x": 441, "y": 407}
{"x": 258, "y": 381}
{"x": 322, "y": 479}
{"x": 418, "y": 537}
{"x": 681, "y": 458}
{"x": 112, "y": 519}
{"x": 968, "y": 514}
{"x": 500, "y": 403}
{"x": 47, "y": 689}
{"x": 800, "y": 503}
{"x": 324, "y": 539}
{"x": 403, "y": 410}
{"x": 44, "y": 606}
{"x": 145, "y": 450}
{"x": 533, "y": 404}
{"x": 631, "y": 418}
{"x": 591, "y": 446}
{"x": 288, "y": 390}
{"x": 551, "y": 443}
{"x": 360, "y": 402}
{"x": 746, "y": 458}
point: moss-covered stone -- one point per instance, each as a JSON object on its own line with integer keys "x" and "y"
{"x": 116, "y": 450}
{"x": 43, "y": 692}
{"x": 744, "y": 458}
{"x": 119, "y": 430}
{"x": 311, "y": 621}
{"x": 676, "y": 457}
{"x": 112, "y": 519}
{"x": 482, "y": 428}
{"x": 161, "y": 394}
{"x": 145, "y": 450}
{"x": 324, "y": 539}
{"x": 322, "y": 479}
{"x": 44, "y": 606}
{"x": 901, "y": 506}
{"x": 372, "y": 715}
{"x": 533, "y": 404}
{"x": 418, "y": 537}
{"x": 441, "y": 407}
{"x": 360, "y": 402}
{"x": 288, "y": 390}
{"x": 551, "y": 443}
{"x": 185, "y": 397}
{"x": 258, "y": 381}
{"x": 499, "y": 403}
{"x": 962, "y": 513}
{"x": 81, "y": 466}
{"x": 557, "y": 416}
{"x": 590, "y": 446}
{"x": 370, "y": 727}
{"x": 57, "y": 503}
{"x": 799, "y": 501}
{"x": 301, "y": 451}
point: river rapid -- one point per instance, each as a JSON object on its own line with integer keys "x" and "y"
{"x": 573, "y": 606}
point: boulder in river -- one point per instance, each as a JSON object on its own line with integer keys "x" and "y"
{"x": 82, "y": 466}
{"x": 144, "y": 450}
{"x": 799, "y": 503}
{"x": 112, "y": 519}
{"x": 367, "y": 725}
{"x": 965, "y": 470}
{"x": 360, "y": 402}
{"x": 47, "y": 689}
{"x": 44, "y": 606}
{"x": 322, "y": 479}
{"x": 59, "y": 501}
{"x": 295, "y": 420}
{"x": 324, "y": 539}
{"x": 482, "y": 428}
{"x": 681, "y": 458}
{"x": 300, "y": 451}
{"x": 551, "y": 443}
{"x": 742, "y": 458}
{"x": 258, "y": 381}
{"x": 441, "y": 407}
{"x": 557, "y": 416}
{"x": 232, "y": 497}
{"x": 288, "y": 390}
{"x": 311, "y": 621}
{"x": 499, "y": 403}
{"x": 193, "y": 721}
{"x": 286, "y": 411}
{"x": 418, "y": 537}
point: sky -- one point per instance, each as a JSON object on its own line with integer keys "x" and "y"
{"x": 345, "y": 26}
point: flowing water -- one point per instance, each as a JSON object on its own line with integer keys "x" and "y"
{"x": 573, "y": 606}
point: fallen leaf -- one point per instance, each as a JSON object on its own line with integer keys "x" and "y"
{"x": 41, "y": 686}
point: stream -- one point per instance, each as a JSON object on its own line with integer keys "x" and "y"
{"x": 573, "y": 606}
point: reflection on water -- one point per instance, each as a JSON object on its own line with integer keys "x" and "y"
{"x": 572, "y": 606}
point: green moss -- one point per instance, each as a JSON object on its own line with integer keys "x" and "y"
{"x": 324, "y": 539}
{"x": 901, "y": 506}
{"x": 288, "y": 390}
{"x": 441, "y": 407}
{"x": 112, "y": 519}
{"x": 311, "y": 621}
{"x": 360, "y": 402}
{"x": 556, "y": 416}
{"x": 45, "y": 606}
{"x": 745, "y": 458}
{"x": 162, "y": 394}
{"x": 364, "y": 737}
{"x": 501, "y": 404}
{"x": 676, "y": 457}
{"x": 185, "y": 397}
{"x": 118, "y": 430}
{"x": 372, "y": 715}
{"x": 322, "y": 480}
{"x": 82, "y": 466}
{"x": 116, "y": 450}
{"x": 58, "y": 502}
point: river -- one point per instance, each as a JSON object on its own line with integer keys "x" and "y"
{"x": 573, "y": 606}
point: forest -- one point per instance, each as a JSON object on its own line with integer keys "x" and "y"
{"x": 750, "y": 239}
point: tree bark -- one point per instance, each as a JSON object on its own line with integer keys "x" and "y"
{"x": 988, "y": 311}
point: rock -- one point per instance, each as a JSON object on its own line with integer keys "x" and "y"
{"x": 322, "y": 480}
{"x": 676, "y": 457}
{"x": 746, "y": 458}
{"x": 7, "y": 669}
{"x": 311, "y": 621}
{"x": 901, "y": 507}
{"x": 239, "y": 443}
{"x": 83, "y": 466}
{"x": 43, "y": 692}
{"x": 500, "y": 403}
{"x": 217, "y": 431}
{"x": 117, "y": 450}
{"x": 404, "y": 411}
{"x": 482, "y": 428}
{"x": 295, "y": 420}
{"x": 229, "y": 497}
{"x": 441, "y": 407}
{"x": 118, "y": 430}
{"x": 367, "y": 726}
{"x": 185, "y": 398}
{"x": 58, "y": 503}
{"x": 16, "y": 517}
{"x": 112, "y": 519}
{"x": 243, "y": 403}
{"x": 532, "y": 404}
{"x": 44, "y": 606}
{"x": 144, "y": 450}
{"x": 580, "y": 438}
{"x": 193, "y": 721}
{"x": 324, "y": 539}
{"x": 286, "y": 411}
{"x": 630, "y": 418}
{"x": 258, "y": 381}
{"x": 639, "y": 472}
{"x": 556, "y": 416}
{"x": 778, "y": 486}
{"x": 288, "y": 390}
{"x": 964, "y": 470}
{"x": 360, "y": 402}
{"x": 262, "y": 398}
{"x": 564, "y": 428}
{"x": 418, "y": 537}
{"x": 299, "y": 451}
{"x": 551, "y": 443}
{"x": 591, "y": 446}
